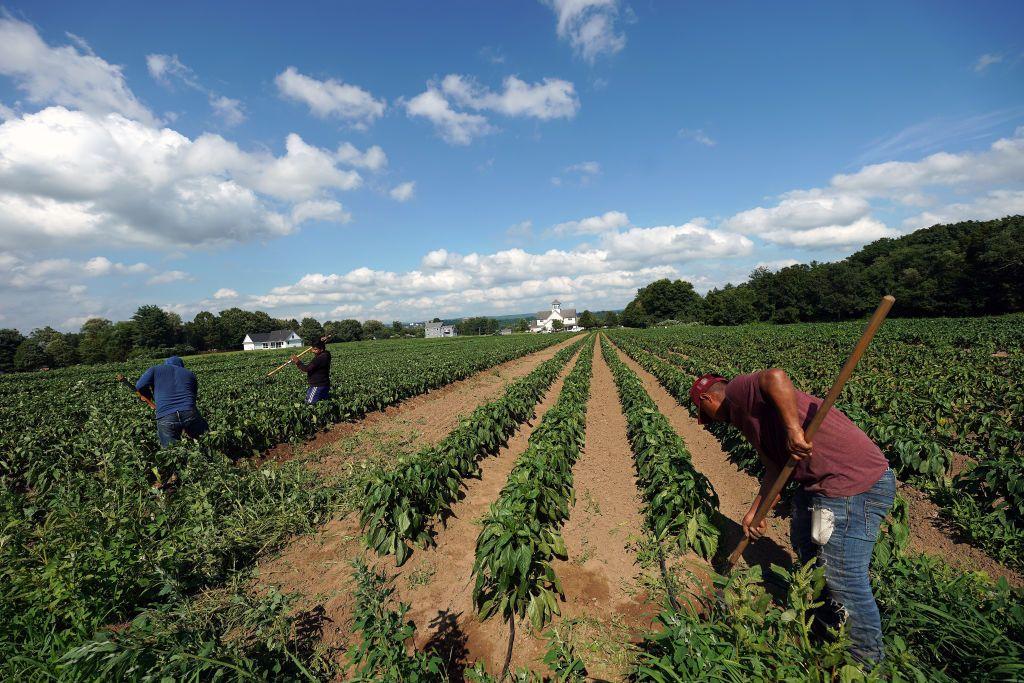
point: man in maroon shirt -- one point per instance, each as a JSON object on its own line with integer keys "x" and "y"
{"x": 846, "y": 486}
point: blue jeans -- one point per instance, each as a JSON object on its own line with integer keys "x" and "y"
{"x": 846, "y": 557}
{"x": 316, "y": 394}
{"x": 170, "y": 426}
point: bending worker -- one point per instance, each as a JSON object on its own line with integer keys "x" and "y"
{"x": 174, "y": 390}
{"x": 846, "y": 487}
{"x": 318, "y": 372}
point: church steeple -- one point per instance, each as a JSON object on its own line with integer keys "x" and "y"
{"x": 556, "y": 305}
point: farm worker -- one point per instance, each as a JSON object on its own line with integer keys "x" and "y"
{"x": 846, "y": 486}
{"x": 318, "y": 372}
{"x": 174, "y": 389}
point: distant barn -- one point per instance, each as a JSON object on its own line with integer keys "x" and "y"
{"x": 434, "y": 330}
{"x": 278, "y": 339}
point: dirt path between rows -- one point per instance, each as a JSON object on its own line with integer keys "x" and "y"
{"x": 736, "y": 489}
{"x": 438, "y": 581}
{"x": 606, "y": 603}
{"x": 415, "y": 422}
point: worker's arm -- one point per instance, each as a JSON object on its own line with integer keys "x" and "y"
{"x": 145, "y": 384}
{"x": 778, "y": 388}
{"x": 300, "y": 365}
{"x": 771, "y": 472}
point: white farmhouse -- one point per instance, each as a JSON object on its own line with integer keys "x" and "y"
{"x": 545, "y": 319}
{"x": 278, "y": 339}
{"x": 435, "y": 330}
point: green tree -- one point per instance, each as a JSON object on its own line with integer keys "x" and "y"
{"x": 348, "y": 330}
{"x": 374, "y": 329}
{"x": 610, "y": 319}
{"x": 10, "y": 339}
{"x": 204, "y": 331}
{"x": 92, "y": 348}
{"x": 477, "y": 325}
{"x": 522, "y": 325}
{"x": 30, "y": 355}
{"x": 634, "y": 315}
{"x": 120, "y": 340}
{"x": 557, "y": 325}
{"x": 154, "y": 327}
{"x": 310, "y": 330}
{"x": 397, "y": 328}
{"x": 587, "y": 320}
{"x": 45, "y": 335}
{"x": 61, "y": 353}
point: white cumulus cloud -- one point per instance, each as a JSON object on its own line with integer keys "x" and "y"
{"x": 330, "y": 98}
{"x": 68, "y": 176}
{"x": 225, "y": 293}
{"x": 594, "y": 225}
{"x": 590, "y": 26}
{"x": 403, "y": 192}
{"x": 373, "y": 159}
{"x": 65, "y": 75}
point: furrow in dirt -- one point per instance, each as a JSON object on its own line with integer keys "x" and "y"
{"x": 438, "y": 581}
{"x": 606, "y": 603}
{"x": 735, "y": 488}
{"x": 415, "y": 422}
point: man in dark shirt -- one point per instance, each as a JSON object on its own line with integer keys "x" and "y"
{"x": 846, "y": 489}
{"x": 318, "y": 372}
{"x": 173, "y": 389}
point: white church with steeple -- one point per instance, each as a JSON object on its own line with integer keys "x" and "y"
{"x": 545, "y": 320}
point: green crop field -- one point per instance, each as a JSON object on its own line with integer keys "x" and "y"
{"x": 121, "y": 561}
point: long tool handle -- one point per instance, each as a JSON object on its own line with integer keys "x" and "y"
{"x": 768, "y": 502}
{"x": 143, "y": 398}
{"x": 281, "y": 367}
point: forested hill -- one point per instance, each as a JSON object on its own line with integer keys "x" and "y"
{"x": 962, "y": 269}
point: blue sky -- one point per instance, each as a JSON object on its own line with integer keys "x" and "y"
{"x": 405, "y": 160}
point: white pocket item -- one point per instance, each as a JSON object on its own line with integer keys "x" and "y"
{"x": 823, "y": 523}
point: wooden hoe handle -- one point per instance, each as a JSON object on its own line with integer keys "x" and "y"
{"x": 144, "y": 399}
{"x": 768, "y": 502}
{"x": 281, "y": 367}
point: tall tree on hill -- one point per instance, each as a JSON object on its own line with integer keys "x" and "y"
{"x": 374, "y": 329}
{"x": 9, "y": 341}
{"x": 92, "y": 348}
{"x": 204, "y": 331}
{"x": 522, "y": 325}
{"x": 61, "y": 353}
{"x": 397, "y": 328}
{"x": 587, "y": 320}
{"x": 30, "y": 355}
{"x": 310, "y": 330}
{"x": 346, "y": 330}
{"x": 154, "y": 327}
{"x": 610, "y": 319}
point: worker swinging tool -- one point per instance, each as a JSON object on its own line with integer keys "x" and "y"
{"x": 846, "y": 488}
{"x": 318, "y": 370}
{"x": 170, "y": 390}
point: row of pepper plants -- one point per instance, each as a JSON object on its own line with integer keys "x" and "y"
{"x": 86, "y": 541}
{"x": 680, "y": 502}
{"x": 940, "y": 623}
{"x": 943, "y": 398}
{"x": 521, "y": 534}
{"x": 401, "y": 504}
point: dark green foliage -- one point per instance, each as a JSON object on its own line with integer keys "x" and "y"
{"x": 680, "y": 503}
{"x": 381, "y": 654}
{"x": 30, "y": 355}
{"x": 478, "y": 325}
{"x": 89, "y": 541}
{"x": 344, "y": 330}
{"x": 587, "y": 320}
{"x": 520, "y": 535}
{"x": 310, "y": 330}
{"x": 9, "y": 341}
{"x": 926, "y": 392}
{"x": 154, "y": 327}
{"x": 400, "y": 504}
{"x": 962, "y": 269}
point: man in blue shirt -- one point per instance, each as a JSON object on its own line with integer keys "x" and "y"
{"x": 174, "y": 389}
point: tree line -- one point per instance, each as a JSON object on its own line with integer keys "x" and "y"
{"x": 153, "y": 332}
{"x": 962, "y": 269}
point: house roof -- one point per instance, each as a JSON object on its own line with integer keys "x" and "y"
{"x": 565, "y": 313}
{"x": 275, "y": 336}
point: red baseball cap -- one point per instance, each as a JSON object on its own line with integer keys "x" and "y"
{"x": 701, "y": 385}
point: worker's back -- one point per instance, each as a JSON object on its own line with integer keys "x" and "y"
{"x": 174, "y": 387}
